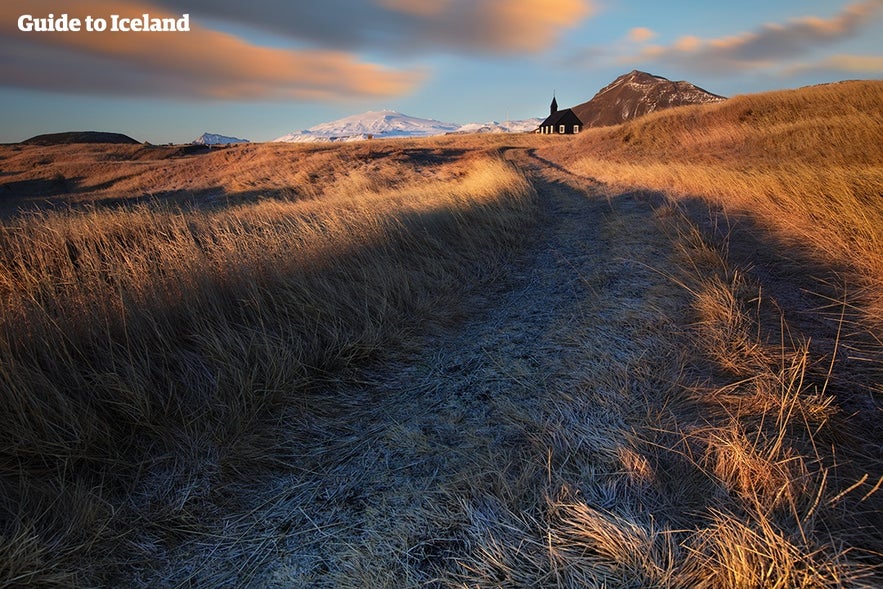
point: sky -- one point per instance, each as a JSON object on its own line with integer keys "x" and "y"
{"x": 264, "y": 68}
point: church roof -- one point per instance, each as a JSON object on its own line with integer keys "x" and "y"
{"x": 565, "y": 116}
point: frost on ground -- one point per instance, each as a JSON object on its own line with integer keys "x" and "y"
{"x": 448, "y": 462}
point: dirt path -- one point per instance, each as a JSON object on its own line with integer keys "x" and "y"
{"x": 439, "y": 465}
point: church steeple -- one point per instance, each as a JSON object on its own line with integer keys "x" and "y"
{"x": 553, "y": 108}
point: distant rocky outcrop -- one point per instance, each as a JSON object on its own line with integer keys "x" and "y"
{"x": 70, "y": 137}
{"x": 638, "y": 93}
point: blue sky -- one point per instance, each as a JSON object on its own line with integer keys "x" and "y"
{"x": 264, "y": 68}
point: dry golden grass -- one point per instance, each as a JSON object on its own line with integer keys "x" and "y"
{"x": 188, "y": 383}
{"x": 768, "y": 470}
{"x": 759, "y": 436}
{"x": 144, "y": 347}
{"x": 726, "y": 466}
{"x": 102, "y": 174}
{"x": 806, "y": 163}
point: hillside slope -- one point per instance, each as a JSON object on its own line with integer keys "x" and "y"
{"x": 634, "y": 357}
{"x": 806, "y": 162}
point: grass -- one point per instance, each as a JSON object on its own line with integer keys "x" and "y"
{"x": 727, "y": 465}
{"x": 808, "y": 164}
{"x": 213, "y": 371}
{"x": 707, "y": 455}
{"x": 146, "y": 347}
{"x": 762, "y": 437}
{"x": 778, "y": 487}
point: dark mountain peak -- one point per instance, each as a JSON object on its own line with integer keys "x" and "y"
{"x": 637, "y": 93}
{"x": 639, "y": 76}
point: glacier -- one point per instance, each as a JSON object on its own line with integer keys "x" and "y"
{"x": 389, "y": 123}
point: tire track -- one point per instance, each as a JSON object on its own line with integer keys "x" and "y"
{"x": 436, "y": 465}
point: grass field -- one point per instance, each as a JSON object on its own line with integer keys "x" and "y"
{"x": 145, "y": 347}
{"x": 806, "y": 163}
{"x": 775, "y": 207}
{"x": 688, "y": 397}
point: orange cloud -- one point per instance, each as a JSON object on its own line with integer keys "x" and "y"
{"x": 767, "y": 45}
{"x": 411, "y": 26}
{"x": 530, "y": 25}
{"x": 688, "y": 43}
{"x": 208, "y": 63}
{"x": 641, "y": 35}
{"x": 202, "y": 63}
{"x": 856, "y": 64}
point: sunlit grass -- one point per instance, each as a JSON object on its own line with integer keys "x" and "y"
{"x": 173, "y": 329}
{"x": 779, "y": 486}
{"x": 806, "y": 163}
{"x": 146, "y": 349}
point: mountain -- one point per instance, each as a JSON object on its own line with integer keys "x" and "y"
{"x": 638, "y": 93}
{"x": 78, "y": 137}
{"x": 389, "y": 123}
{"x": 215, "y": 139}
{"x": 384, "y": 123}
{"x": 522, "y": 126}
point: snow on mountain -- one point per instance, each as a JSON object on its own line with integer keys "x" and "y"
{"x": 522, "y": 126}
{"x": 215, "y": 139}
{"x": 389, "y": 123}
{"x": 384, "y": 123}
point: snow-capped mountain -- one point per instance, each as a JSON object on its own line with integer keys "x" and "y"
{"x": 389, "y": 123}
{"x": 522, "y": 126}
{"x": 383, "y": 123}
{"x": 215, "y": 139}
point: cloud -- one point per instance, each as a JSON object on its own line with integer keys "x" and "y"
{"x": 530, "y": 25}
{"x": 414, "y": 26}
{"x": 322, "y": 61}
{"x": 688, "y": 43}
{"x": 768, "y": 45}
{"x": 641, "y": 35}
{"x": 202, "y": 63}
{"x": 855, "y": 64}
{"x": 421, "y": 8}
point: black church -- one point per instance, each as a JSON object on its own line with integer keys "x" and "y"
{"x": 560, "y": 122}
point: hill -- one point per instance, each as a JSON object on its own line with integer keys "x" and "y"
{"x": 635, "y": 94}
{"x": 806, "y": 162}
{"x": 70, "y": 137}
{"x": 453, "y": 361}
